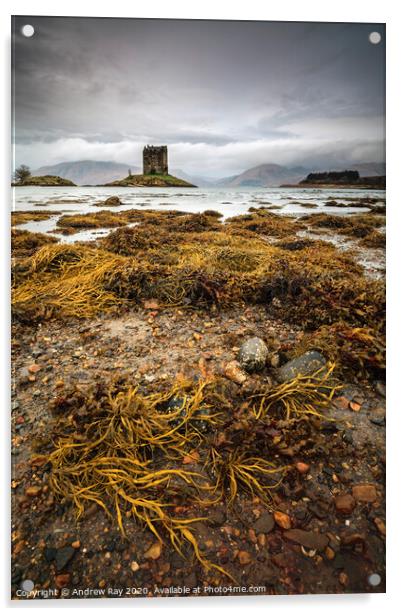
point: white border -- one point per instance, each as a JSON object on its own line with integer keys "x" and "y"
{"x": 308, "y": 10}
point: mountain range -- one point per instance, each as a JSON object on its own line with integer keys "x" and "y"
{"x": 92, "y": 172}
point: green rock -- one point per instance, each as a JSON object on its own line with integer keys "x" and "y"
{"x": 308, "y": 363}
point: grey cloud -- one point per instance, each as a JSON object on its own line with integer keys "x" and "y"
{"x": 257, "y": 88}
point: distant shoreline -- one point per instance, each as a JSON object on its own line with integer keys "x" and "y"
{"x": 334, "y": 186}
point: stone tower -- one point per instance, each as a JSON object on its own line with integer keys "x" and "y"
{"x": 155, "y": 160}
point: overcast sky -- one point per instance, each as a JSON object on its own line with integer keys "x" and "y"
{"x": 224, "y": 96}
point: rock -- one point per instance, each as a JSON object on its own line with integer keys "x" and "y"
{"x": 151, "y": 304}
{"x": 253, "y": 355}
{"x": 216, "y": 517}
{"x": 380, "y": 388}
{"x": 33, "y": 491}
{"x": 23, "y": 376}
{"x": 345, "y": 503}
{"x": 63, "y": 557}
{"x": 134, "y": 566}
{"x": 244, "y": 557}
{"x": 62, "y": 580}
{"x": 308, "y": 539}
{"x": 308, "y": 363}
{"x": 365, "y": 493}
{"x": 380, "y": 524}
{"x": 112, "y": 201}
{"x": 275, "y": 361}
{"x": 264, "y": 524}
{"x": 377, "y": 416}
{"x": 34, "y": 368}
{"x": 154, "y": 551}
{"x": 50, "y": 554}
{"x": 302, "y": 467}
{"x": 76, "y": 544}
{"x": 282, "y": 519}
{"x": 234, "y": 372}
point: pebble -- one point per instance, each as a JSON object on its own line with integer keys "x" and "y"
{"x": 62, "y": 580}
{"x": 154, "y": 551}
{"x": 380, "y": 525}
{"x": 233, "y": 371}
{"x": 33, "y": 491}
{"x": 265, "y": 523}
{"x": 275, "y": 361}
{"x": 380, "y": 388}
{"x": 244, "y": 557}
{"x": 345, "y": 503}
{"x": 308, "y": 539}
{"x": 253, "y": 354}
{"x": 63, "y": 557}
{"x": 302, "y": 467}
{"x": 134, "y": 566}
{"x": 366, "y": 493}
{"x": 282, "y": 519}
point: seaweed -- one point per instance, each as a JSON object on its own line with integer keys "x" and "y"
{"x": 25, "y": 243}
{"x": 358, "y": 351}
{"x": 298, "y": 397}
{"x": 122, "y": 449}
{"x": 307, "y": 286}
{"x": 375, "y": 239}
{"x": 20, "y": 217}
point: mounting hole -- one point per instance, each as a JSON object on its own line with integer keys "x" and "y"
{"x": 374, "y": 579}
{"x": 28, "y": 30}
{"x": 27, "y": 585}
{"x": 375, "y": 38}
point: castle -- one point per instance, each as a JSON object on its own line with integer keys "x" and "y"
{"x": 155, "y": 160}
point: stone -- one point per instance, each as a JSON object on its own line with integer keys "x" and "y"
{"x": 308, "y": 539}
{"x": 253, "y": 355}
{"x": 134, "y": 566}
{"x": 62, "y": 580}
{"x": 345, "y": 503}
{"x": 216, "y": 517}
{"x": 112, "y": 201}
{"x": 275, "y": 361}
{"x": 264, "y": 524}
{"x": 50, "y": 554}
{"x": 380, "y": 388}
{"x": 154, "y": 551}
{"x": 234, "y": 372}
{"x": 244, "y": 557}
{"x": 365, "y": 493}
{"x": 308, "y": 363}
{"x": 23, "y": 376}
{"x": 63, "y": 557}
{"x": 380, "y": 524}
{"x": 302, "y": 467}
{"x": 282, "y": 519}
{"x": 33, "y": 491}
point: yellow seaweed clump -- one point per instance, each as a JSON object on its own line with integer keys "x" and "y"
{"x": 122, "y": 449}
